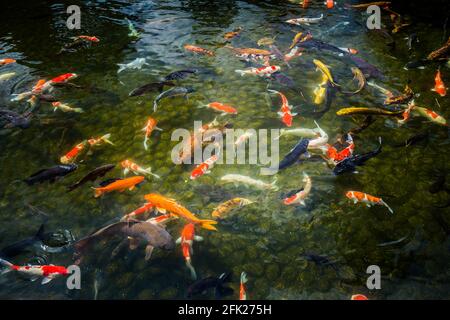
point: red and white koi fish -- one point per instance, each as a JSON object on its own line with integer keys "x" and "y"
{"x": 74, "y": 153}
{"x": 42, "y": 87}
{"x": 285, "y": 111}
{"x": 242, "y": 291}
{"x": 65, "y": 107}
{"x": 49, "y": 272}
{"x": 431, "y": 115}
{"x": 300, "y": 195}
{"x": 369, "y": 200}
{"x": 204, "y": 167}
{"x": 87, "y": 38}
{"x": 186, "y": 240}
{"x": 129, "y": 165}
{"x": 359, "y": 297}
{"x": 149, "y": 127}
{"x": 220, "y": 107}
{"x": 139, "y": 211}
{"x": 100, "y": 140}
{"x": 243, "y": 138}
{"x": 439, "y": 86}
{"x": 338, "y": 156}
{"x": 262, "y": 71}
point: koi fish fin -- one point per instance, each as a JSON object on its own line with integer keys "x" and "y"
{"x": 244, "y": 277}
{"x": 191, "y": 269}
{"x": 155, "y": 105}
{"x": 386, "y": 205}
{"x": 97, "y": 192}
{"x": 46, "y": 280}
{"x": 149, "y": 171}
{"x": 7, "y": 264}
{"x": 208, "y": 224}
{"x": 106, "y": 137}
{"x": 178, "y": 241}
{"x": 161, "y": 210}
{"x": 148, "y": 252}
{"x": 159, "y": 129}
{"x": 198, "y": 238}
{"x": 145, "y": 143}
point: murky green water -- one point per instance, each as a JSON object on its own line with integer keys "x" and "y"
{"x": 265, "y": 240}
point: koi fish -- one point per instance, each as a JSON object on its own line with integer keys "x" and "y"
{"x": 407, "y": 95}
{"x": 431, "y": 115}
{"x": 325, "y": 70}
{"x": 220, "y": 107}
{"x": 129, "y": 165}
{"x": 180, "y": 74}
{"x": 306, "y": 21}
{"x": 162, "y": 219}
{"x": 330, "y": 4}
{"x": 49, "y": 272}
{"x": 172, "y": 92}
{"x": 230, "y": 35}
{"x": 299, "y": 196}
{"x": 136, "y": 64}
{"x": 133, "y": 32}
{"x": 7, "y": 76}
{"x": 321, "y": 90}
{"x": 298, "y": 132}
{"x": 441, "y": 53}
{"x": 92, "y": 176}
{"x": 297, "y": 39}
{"x": 50, "y": 174}
{"x": 100, "y": 140}
{"x": 164, "y": 204}
{"x": 407, "y": 113}
{"x": 119, "y": 185}
{"x": 359, "y": 76}
{"x": 294, "y": 52}
{"x": 242, "y": 291}
{"x": 149, "y": 87}
{"x": 262, "y": 71}
{"x": 225, "y": 207}
{"x": 369, "y": 200}
{"x": 300, "y": 149}
{"x": 74, "y": 153}
{"x": 349, "y": 164}
{"x": 65, "y": 107}
{"x": 285, "y": 110}
{"x": 266, "y": 41}
{"x": 369, "y": 111}
{"x": 247, "y": 181}
{"x": 204, "y": 167}
{"x": 88, "y": 38}
{"x": 338, "y": 156}
{"x": 359, "y": 297}
{"x": 139, "y": 211}
{"x": 249, "y": 51}
{"x": 198, "y": 50}
{"x": 186, "y": 241}
{"x": 148, "y": 129}
{"x": 439, "y": 86}
{"x": 319, "y": 141}
{"x": 6, "y": 61}
{"x": 243, "y": 138}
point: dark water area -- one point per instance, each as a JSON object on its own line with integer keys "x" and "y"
{"x": 268, "y": 240}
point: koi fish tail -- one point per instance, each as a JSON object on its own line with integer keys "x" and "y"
{"x": 386, "y": 205}
{"x": 21, "y": 96}
{"x": 241, "y": 72}
{"x": 78, "y": 110}
{"x": 106, "y": 137}
{"x": 145, "y": 143}
{"x": 97, "y": 192}
{"x": 191, "y": 269}
{"x": 208, "y": 224}
{"x": 155, "y": 105}
{"x": 149, "y": 171}
{"x": 244, "y": 277}
{"x": 7, "y": 265}
{"x": 272, "y": 91}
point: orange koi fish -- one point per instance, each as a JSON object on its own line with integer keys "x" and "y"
{"x": 166, "y": 204}
{"x": 198, "y": 50}
{"x": 220, "y": 107}
{"x": 186, "y": 240}
{"x": 338, "y": 156}
{"x": 149, "y": 127}
{"x": 74, "y": 153}
{"x": 359, "y": 297}
{"x": 88, "y": 38}
{"x": 369, "y": 200}
{"x": 439, "y": 86}
{"x": 6, "y": 61}
{"x": 119, "y": 185}
{"x": 329, "y": 4}
{"x": 242, "y": 291}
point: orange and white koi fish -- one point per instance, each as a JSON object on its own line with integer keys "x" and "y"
{"x": 299, "y": 196}
{"x": 139, "y": 211}
{"x": 262, "y": 71}
{"x": 349, "y": 50}
{"x": 88, "y": 38}
{"x": 49, "y": 272}
{"x": 369, "y": 200}
{"x": 6, "y": 61}
{"x": 204, "y": 167}
{"x": 243, "y": 138}
{"x": 406, "y": 115}
{"x": 329, "y": 4}
{"x": 129, "y": 165}
{"x": 338, "y": 156}
{"x": 74, "y": 153}
{"x": 220, "y": 107}
{"x": 439, "y": 86}
{"x": 119, "y": 185}
{"x": 198, "y": 50}
{"x": 164, "y": 204}
{"x": 359, "y": 297}
{"x": 294, "y": 52}
{"x": 242, "y": 291}
{"x": 100, "y": 140}
{"x": 285, "y": 111}
{"x": 65, "y": 107}
{"x": 431, "y": 115}
{"x": 149, "y": 127}
{"x": 186, "y": 240}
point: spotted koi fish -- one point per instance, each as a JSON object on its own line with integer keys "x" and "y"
{"x": 369, "y": 200}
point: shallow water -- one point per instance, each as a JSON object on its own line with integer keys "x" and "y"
{"x": 267, "y": 239}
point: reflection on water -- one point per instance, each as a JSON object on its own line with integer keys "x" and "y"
{"x": 267, "y": 240}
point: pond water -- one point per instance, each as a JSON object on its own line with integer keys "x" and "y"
{"x": 267, "y": 239}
